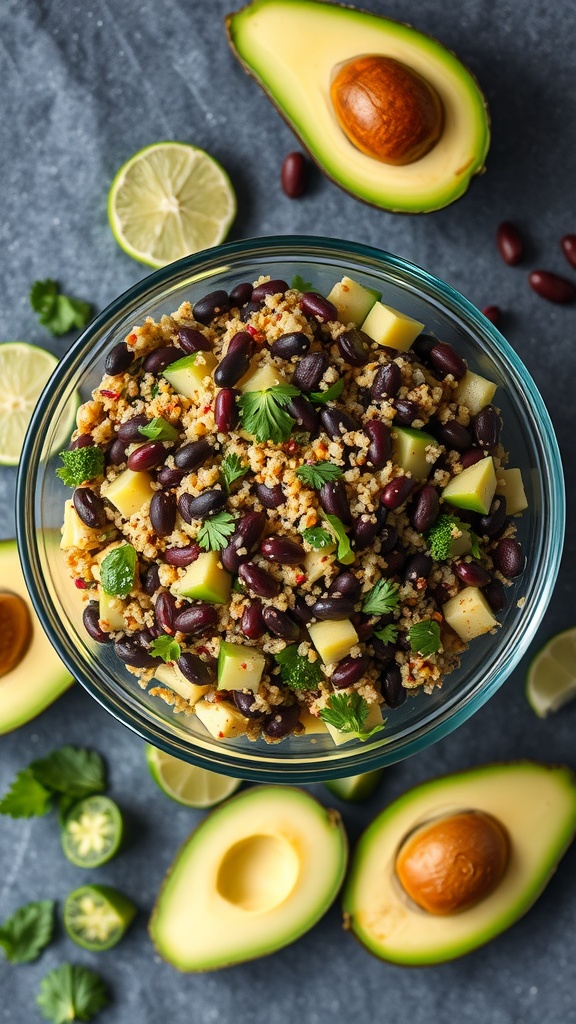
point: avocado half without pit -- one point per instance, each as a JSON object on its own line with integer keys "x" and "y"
{"x": 388, "y": 113}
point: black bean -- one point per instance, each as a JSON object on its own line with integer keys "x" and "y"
{"x": 396, "y": 492}
{"x": 387, "y": 382}
{"x": 364, "y": 627}
{"x": 471, "y": 457}
{"x": 252, "y": 623}
{"x": 276, "y": 287}
{"x": 181, "y": 557}
{"x": 472, "y": 574}
{"x": 380, "y": 449}
{"x": 395, "y": 559}
{"x": 234, "y": 364}
{"x": 193, "y": 454}
{"x": 90, "y": 618}
{"x": 146, "y": 456}
{"x": 241, "y": 294}
{"x": 334, "y": 500}
{"x": 423, "y": 346}
{"x": 495, "y": 594}
{"x": 487, "y": 428}
{"x": 118, "y": 359}
{"x": 426, "y": 508}
{"x": 345, "y": 585}
{"x": 258, "y": 580}
{"x": 270, "y": 497}
{"x": 316, "y": 305}
{"x": 196, "y": 618}
{"x": 245, "y": 539}
{"x": 195, "y": 670}
{"x": 282, "y": 722}
{"x": 244, "y": 701}
{"x": 282, "y": 550}
{"x": 192, "y": 340}
{"x": 168, "y": 477}
{"x": 203, "y": 505}
{"x": 165, "y": 612}
{"x": 383, "y": 652}
{"x": 336, "y": 422}
{"x": 407, "y": 411}
{"x": 160, "y": 358}
{"x": 348, "y": 671}
{"x": 508, "y": 558}
{"x": 493, "y": 522}
{"x": 391, "y": 685}
{"x": 288, "y": 345}
{"x": 309, "y": 371}
{"x": 150, "y": 579}
{"x": 304, "y": 413}
{"x": 446, "y": 360}
{"x": 82, "y": 441}
{"x": 333, "y": 608}
{"x": 249, "y": 309}
{"x": 301, "y": 610}
{"x": 163, "y": 513}
{"x": 243, "y": 341}
{"x": 354, "y": 346}
{"x": 388, "y": 539}
{"x": 89, "y": 507}
{"x": 210, "y": 306}
{"x": 364, "y": 530}
{"x": 225, "y": 410}
{"x": 454, "y": 435}
{"x": 130, "y": 429}
{"x": 116, "y": 453}
{"x": 131, "y": 651}
{"x": 417, "y": 567}
{"x": 280, "y": 623}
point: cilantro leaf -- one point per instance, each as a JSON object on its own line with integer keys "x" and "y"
{"x": 382, "y": 599}
{"x": 214, "y": 532}
{"x": 165, "y": 647}
{"x": 263, "y": 413}
{"x": 317, "y": 537}
{"x": 81, "y": 465}
{"x": 444, "y": 532}
{"x": 72, "y": 771}
{"x": 69, "y": 993}
{"x": 344, "y": 552}
{"x": 231, "y": 469}
{"x": 388, "y": 634}
{"x": 296, "y": 671}
{"x": 348, "y": 712}
{"x": 424, "y": 637}
{"x": 118, "y": 570}
{"x": 300, "y": 285}
{"x": 26, "y": 798}
{"x": 330, "y": 395}
{"x": 319, "y": 473}
{"x": 24, "y": 935}
{"x": 159, "y": 429}
{"x": 474, "y": 543}
{"x": 58, "y": 312}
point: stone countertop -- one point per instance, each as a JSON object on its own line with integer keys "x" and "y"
{"x": 86, "y": 84}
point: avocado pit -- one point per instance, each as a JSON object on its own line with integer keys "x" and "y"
{"x": 386, "y": 109}
{"x": 451, "y": 864}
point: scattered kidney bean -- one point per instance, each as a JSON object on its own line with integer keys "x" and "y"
{"x": 426, "y": 508}
{"x": 423, "y": 346}
{"x": 334, "y": 500}
{"x": 193, "y": 454}
{"x": 333, "y": 608}
{"x": 150, "y": 579}
{"x": 258, "y": 580}
{"x": 191, "y": 340}
{"x": 316, "y": 305}
{"x": 304, "y": 413}
{"x": 203, "y": 505}
{"x": 183, "y": 556}
{"x": 235, "y": 363}
{"x": 309, "y": 371}
{"x": 82, "y": 441}
{"x": 568, "y": 245}
{"x": 131, "y": 651}
{"x": 354, "y": 347}
{"x": 89, "y": 507}
{"x": 241, "y": 294}
{"x": 168, "y": 477}
{"x": 395, "y": 558}
{"x": 245, "y": 538}
{"x": 280, "y": 623}
{"x": 472, "y": 574}
{"x": 508, "y": 558}
{"x": 391, "y": 685}
{"x": 270, "y": 497}
{"x": 130, "y": 429}
{"x": 282, "y": 550}
{"x": 146, "y": 456}
{"x": 418, "y": 567}
{"x": 160, "y": 358}
{"x": 446, "y": 360}
{"x": 165, "y": 612}
{"x": 282, "y": 722}
{"x": 91, "y": 620}
{"x": 406, "y": 412}
{"x": 337, "y": 422}
{"x": 492, "y": 523}
{"x": 163, "y": 513}
{"x": 388, "y": 539}
{"x": 396, "y": 491}
{"x": 364, "y": 531}
{"x": 276, "y": 287}
{"x": 487, "y": 428}
{"x": 194, "y": 669}
{"x": 225, "y": 410}
{"x": 383, "y": 652}
{"x": 345, "y": 585}
{"x": 196, "y": 618}
{"x": 301, "y": 610}
{"x": 380, "y": 448}
{"x": 349, "y": 671}
{"x": 252, "y": 623}
{"x": 471, "y": 457}
{"x": 454, "y": 435}
{"x": 211, "y": 306}
{"x": 551, "y": 286}
{"x": 510, "y": 243}
{"x": 244, "y": 702}
{"x": 116, "y": 453}
{"x": 248, "y": 309}
{"x": 387, "y": 382}
{"x": 118, "y": 359}
{"x": 289, "y": 345}
{"x": 493, "y": 314}
{"x": 495, "y": 594}
{"x": 293, "y": 175}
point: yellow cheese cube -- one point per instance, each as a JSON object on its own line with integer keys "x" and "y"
{"x": 388, "y": 326}
{"x": 75, "y": 534}
{"x": 239, "y": 667}
{"x": 221, "y": 719}
{"x": 474, "y": 392}
{"x": 262, "y": 377}
{"x": 373, "y": 718}
{"x": 469, "y": 614}
{"x": 333, "y": 639}
{"x": 129, "y": 492}
{"x": 318, "y": 561}
{"x": 171, "y": 676}
{"x": 313, "y": 726}
{"x": 510, "y": 485}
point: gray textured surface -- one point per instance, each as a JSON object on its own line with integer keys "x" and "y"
{"x": 83, "y": 86}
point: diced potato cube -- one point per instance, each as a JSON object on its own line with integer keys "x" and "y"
{"x": 221, "y": 719}
{"x": 129, "y": 492}
{"x": 205, "y": 580}
{"x": 111, "y": 611}
{"x": 509, "y": 483}
{"x": 171, "y": 676}
{"x": 373, "y": 718}
{"x": 352, "y": 300}
{"x": 187, "y": 375}
{"x": 388, "y": 326}
{"x": 333, "y": 639}
{"x": 409, "y": 451}
{"x": 474, "y": 487}
{"x": 318, "y": 561}
{"x": 261, "y": 378}
{"x": 239, "y": 667}
{"x": 474, "y": 392}
{"x": 469, "y": 614}
{"x": 75, "y": 534}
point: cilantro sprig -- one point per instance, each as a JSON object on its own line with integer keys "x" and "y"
{"x": 58, "y": 312}
{"x": 71, "y": 992}
{"x": 382, "y": 599}
{"x": 165, "y": 647}
{"x": 388, "y": 634}
{"x": 296, "y": 671}
{"x": 69, "y": 773}
{"x": 319, "y": 473}
{"x": 300, "y": 285}
{"x": 264, "y": 415}
{"x": 330, "y": 395}
{"x": 231, "y": 469}
{"x": 348, "y": 712}
{"x": 159, "y": 429}
{"x": 81, "y": 465}
{"x": 118, "y": 570}
{"x": 317, "y": 537}
{"x": 214, "y": 533}
{"x": 344, "y": 552}
{"x": 424, "y": 637}
{"x": 24, "y": 935}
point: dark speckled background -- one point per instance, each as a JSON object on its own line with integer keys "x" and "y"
{"x": 86, "y": 84}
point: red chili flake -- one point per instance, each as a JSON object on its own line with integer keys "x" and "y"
{"x": 291, "y": 447}
{"x": 131, "y": 339}
{"x": 244, "y": 665}
{"x": 252, "y": 330}
{"x": 203, "y": 650}
{"x": 221, "y": 735}
{"x": 81, "y": 584}
{"x": 301, "y": 578}
{"x": 206, "y": 409}
{"x": 110, "y": 394}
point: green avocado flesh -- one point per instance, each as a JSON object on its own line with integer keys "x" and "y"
{"x": 257, "y": 874}
{"x": 291, "y": 48}
{"x": 537, "y": 806}
{"x": 40, "y": 677}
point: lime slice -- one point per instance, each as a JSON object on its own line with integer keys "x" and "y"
{"x": 96, "y": 916}
{"x": 355, "y": 787}
{"x": 187, "y": 784}
{"x": 24, "y": 370}
{"x": 551, "y": 680}
{"x": 92, "y": 832}
{"x": 170, "y": 200}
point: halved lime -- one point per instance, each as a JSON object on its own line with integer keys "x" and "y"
{"x": 355, "y": 787}
{"x": 187, "y": 784}
{"x": 24, "y": 370}
{"x": 92, "y": 831}
{"x": 170, "y": 200}
{"x": 96, "y": 916}
{"x": 551, "y": 679}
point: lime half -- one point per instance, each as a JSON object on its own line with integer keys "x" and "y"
{"x": 92, "y": 832}
{"x": 24, "y": 370}
{"x": 96, "y": 916}
{"x": 355, "y": 787}
{"x": 551, "y": 680}
{"x": 187, "y": 784}
{"x": 168, "y": 201}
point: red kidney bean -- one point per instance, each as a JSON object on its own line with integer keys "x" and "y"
{"x": 258, "y": 580}
{"x": 165, "y": 612}
{"x": 270, "y": 497}
{"x": 337, "y": 422}
{"x": 244, "y": 702}
{"x": 282, "y": 721}
{"x": 396, "y": 492}
{"x": 89, "y": 507}
{"x": 301, "y": 610}
{"x": 454, "y": 435}
{"x": 510, "y": 243}
{"x": 309, "y": 371}
{"x": 160, "y": 358}
{"x": 492, "y": 523}
{"x": 252, "y": 624}
{"x": 406, "y": 412}
{"x": 282, "y": 550}
{"x": 391, "y": 685}
{"x": 194, "y": 669}
{"x": 364, "y": 531}
{"x": 192, "y": 340}
{"x": 345, "y": 585}
{"x": 91, "y": 620}
{"x": 418, "y": 567}
{"x": 383, "y": 652}
{"x": 388, "y": 540}
{"x": 551, "y": 286}
{"x": 495, "y": 594}
{"x": 387, "y": 382}
{"x": 316, "y": 305}
{"x": 241, "y": 294}
{"x": 211, "y": 306}
{"x": 289, "y": 345}
{"x": 131, "y": 651}
{"x": 116, "y": 453}
{"x": 446, "y": 360}
{"x": 181, "y": 557}
{"x": 193, "y": 454}
{"x": 487, "y": 427}
{"x": 349, "y": 671}
{"x": 293, "y": 175}
{"x": 82, "y": 441}
{"x": 364, "y": 627}
{"x": 163, "y": 513}
{"x": 118, "y": 359}
{"x": 242, "y": 341}
{"x": 276, "y": 287}
{"x": 380, "y": 448}
{"x": 249, "y": 309}
{"x": 426, "y": 508}
{"x": 333, "y": 608}
{"x": 168, "y": 477}
{"x": 147, "y": 456}
{"x": 235, "y": 363}
{"x": 568, "y": 244}
{"x": 150, "y": 579}
{"x": 196, "y": 618}
{"x": 334, "y": 501}
{"x": 280, "y": 623}
{"x": 130, "y": 429}
{"x": 304, "y": 413}
{"x": 472, "y": 573}
{"x": 508, "y": 558}
{"x": 493, "y": 314}
{"x": 471, "y": 457}
{"x": 395, "y": 559}
{"x": 354, "y": 347}
{"x": 203, "y": 505}
{"x": 423, "y": 346}
{"x": 245, "y": 538}
{"x": 225, "y": 410}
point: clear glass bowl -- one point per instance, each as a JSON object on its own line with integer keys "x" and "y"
{"x": 527, "y": 434}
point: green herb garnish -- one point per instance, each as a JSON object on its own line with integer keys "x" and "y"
{"x": 330, "y": 395}
{"x": 424, "y": 637}
{"x": 118, "y": 570}
{"x": 214, "y": 532}
{"x": 24, "y": 935}
{"x": 382, "y": 599}
{"x": 344, "y": 552}
{"x": 263, "y": 413}
{"x": 159, "y": 429}
{"x": 317, "y": 537}
{"x": 81, "y": 465}
{"x": 70, "y": 993}
{"x": 69, "y": 773}
{"x": 231, "y": 469}
{"x": 441, "y": 535}
{"x": 388, "y": 634}
{"x": 319, "y": 473}
{"x": 58, "y": 312}
{"x": 165, "y": 647}
{"x": 348, "y": 712}
{"x": 300, "y": 285}
{"x": 297, "y": 671}
{"x": 26, "y": 798}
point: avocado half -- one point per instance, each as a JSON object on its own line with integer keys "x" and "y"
{"x": 535, "y": 803}
{"x": 256, "y": 874}
{"x": 291, "y": 48}
{"x": 39, "y": 677}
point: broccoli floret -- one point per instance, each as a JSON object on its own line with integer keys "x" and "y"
{"x": 441, "y": 535}
{"x": 80, "y": 465}
{"x": 296, "y": 671}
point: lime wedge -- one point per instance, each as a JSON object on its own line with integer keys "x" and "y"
{"x": 170, "y": 200}
{"x": 24, "y": 370}
{"x": 187, "y": 784}
{"x": 92, "y": 832}
{"x": 96, "y": 916}
{"x": 551, "y": 680}
{"x": 355, "y": 787}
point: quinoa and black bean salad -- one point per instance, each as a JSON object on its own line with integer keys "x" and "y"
{"x": 290, "y": 512}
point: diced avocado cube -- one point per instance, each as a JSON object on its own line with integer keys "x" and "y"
{"x": 75, "y": 534}
{"x": 312, "y": 724}
{"x": 187, "y": 375}
{"x": 474, "y": 392}
{"x": 373, "y": 718}
{"x": 129, "y": 492}
{"x": 460, "y": 545}
{"x": 260, "y": 378}
{"x": 388, "y": 326}
{"x": 239, "y": 667}
{"x": 409, "y": 451}
{"x": 317, "y": 562}
{"x": 473, "y": 488}
{"x": 333, "y": 639}
{"x": 469, "y": 614}
{"x": 171, "y": 676}
{"x": 205, "y": 580}
{"x": 221, "y": 719}
{"x": 509, "y": 483}
{"x": 111, "y": 610}
{"x": 352, "y": 300}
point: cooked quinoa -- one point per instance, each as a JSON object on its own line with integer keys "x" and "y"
{"x": 262, "y": 530}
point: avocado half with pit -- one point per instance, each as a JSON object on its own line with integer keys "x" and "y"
{"x": 454, "y": 862}
{"x": 256, "y": 874}
{"x": 388, "y": 113}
